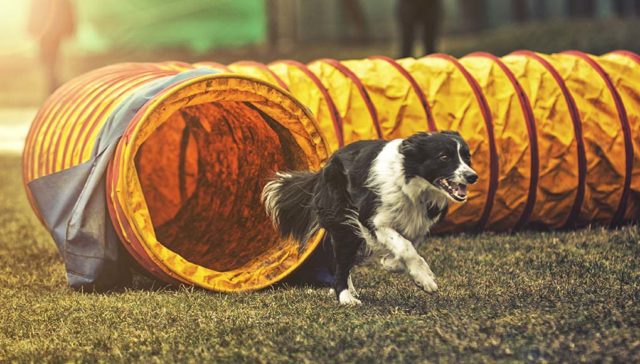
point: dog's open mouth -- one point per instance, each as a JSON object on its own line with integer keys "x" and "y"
{"x": 457, "y": 191}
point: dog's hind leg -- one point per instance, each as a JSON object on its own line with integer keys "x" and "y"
{"x": 345, "y": 247}
{"x": 352, "y": 289}
{"x": 332, "y": 203}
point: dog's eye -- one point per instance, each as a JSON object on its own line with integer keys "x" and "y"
{"x": 444, "y": 157}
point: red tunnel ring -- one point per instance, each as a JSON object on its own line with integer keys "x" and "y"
{"x": 416, "y": 88}
{"x": 494, "y": 168}
{"x": 365, "y": 95}
{"x": 533, "y": 137}
{"x": 618, "y": 217}
{"x": 335, "y": 116}
{"x": 577, "y": 127}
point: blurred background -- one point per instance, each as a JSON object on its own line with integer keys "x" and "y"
{"x": 46, "y": 42}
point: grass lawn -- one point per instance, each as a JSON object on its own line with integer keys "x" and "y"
{"x": 570, "y": 296}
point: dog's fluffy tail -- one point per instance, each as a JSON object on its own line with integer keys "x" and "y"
{"x": 288, "y": 199}
{"x": 298, "y": 201}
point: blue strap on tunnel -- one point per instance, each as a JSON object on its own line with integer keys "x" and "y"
{"x": 73, "y": 202}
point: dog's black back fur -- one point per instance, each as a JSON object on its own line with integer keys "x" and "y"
{"x": 302, "y": 199}
{"x": 356, "y": 160}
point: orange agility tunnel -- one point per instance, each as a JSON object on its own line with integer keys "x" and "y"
{"x": 183, "y": 181}
{"x": 165, "y": 162}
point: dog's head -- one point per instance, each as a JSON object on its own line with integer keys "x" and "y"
{"x": 442, "y": 159}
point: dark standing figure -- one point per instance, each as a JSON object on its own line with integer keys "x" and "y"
{"x": 50, "y": 22}
{"x": 413, "y": 14}
{"x": 540, "y": 9}
{"x": 356, "y": 18}
{"x": 520, "y": 10}
{"x": 627, "y": 8}
{"x": 581, "y": 8}
{"x": 474, "y": 15}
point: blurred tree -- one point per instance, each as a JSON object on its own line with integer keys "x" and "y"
{"x": 282, "y": 23}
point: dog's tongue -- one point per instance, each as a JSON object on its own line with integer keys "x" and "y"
{"x": 461, "y": 190}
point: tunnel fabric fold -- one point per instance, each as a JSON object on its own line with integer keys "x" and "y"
{"x": 72, "y": 202}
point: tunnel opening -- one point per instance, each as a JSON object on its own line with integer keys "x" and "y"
{"x": 199, "y": 159}
{"x": 202, "y": 173}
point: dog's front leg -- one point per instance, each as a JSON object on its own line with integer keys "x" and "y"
{"x": 404, "y": 251}
{"x": 392, "y": 264}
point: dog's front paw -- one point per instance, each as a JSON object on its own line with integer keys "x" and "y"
{"x": 346, "y": 298}
{"x": 426, "y": 283}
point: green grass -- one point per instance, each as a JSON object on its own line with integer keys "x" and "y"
{"x": 571, "y": 296}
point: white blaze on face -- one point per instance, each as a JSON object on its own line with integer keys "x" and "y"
{"x": 463, "y": 168}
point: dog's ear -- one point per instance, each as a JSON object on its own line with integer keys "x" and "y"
{"x": 406, "y": 147}
{"x": 451, "y": 132}
{"x": 411, "y": 144}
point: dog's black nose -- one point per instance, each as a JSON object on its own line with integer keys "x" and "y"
{"x": 471, "y": 177}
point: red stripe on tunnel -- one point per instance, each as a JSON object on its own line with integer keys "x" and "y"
{"x": 633, "y": 56}
{"x": 335, "y": 116}
{"x": 108, "y": 88}
{"x": 525, "y": 105}
{"x": 54, "y": 120}
{"x": 83, "y": 141}
{"x": 416, "y": 88}
{"x": 577, "y": 128}
{"x": 363, "y": 92}
{"x": 264, "y": 68}
{"x": 618, "y": 217}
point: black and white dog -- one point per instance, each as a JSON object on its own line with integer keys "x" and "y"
{"x": 385, "y": 194}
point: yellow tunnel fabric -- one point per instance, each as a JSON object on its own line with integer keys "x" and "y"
{"x": 310, "y": 91}
{"x": 512, "y": 139}
{"x": 555, "y": 140}
{"x": 359, "y": 119}
{"x": 452, "y": 96}
{"x": 624, "y": 71}
{"x": 257, "y": 70}
{"x": 558, "y": 149}
{"x": 399, "y": 109}
{"x": 603, "y": 139}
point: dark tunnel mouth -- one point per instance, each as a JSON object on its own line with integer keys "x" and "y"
{"x": 176, "y": 240}
{"x": 205, "y": 194}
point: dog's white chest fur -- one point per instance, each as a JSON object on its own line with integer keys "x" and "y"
{"x": 406, "y": 209}
{"x": 403, "y": 206}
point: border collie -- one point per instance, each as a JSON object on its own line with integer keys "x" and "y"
{"x": 382, "y": 195}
